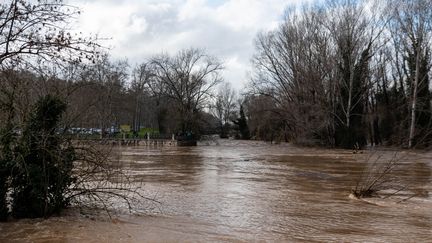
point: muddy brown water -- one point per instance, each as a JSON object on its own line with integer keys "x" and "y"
{"x": 250, "y": 191}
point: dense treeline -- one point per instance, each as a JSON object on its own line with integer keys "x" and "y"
{"x": 346, "y": 73}
{"x": 107, "y": 94}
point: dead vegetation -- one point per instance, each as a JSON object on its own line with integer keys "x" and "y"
{"x": 382, "y": 178}
{"x": 101, "y": 182}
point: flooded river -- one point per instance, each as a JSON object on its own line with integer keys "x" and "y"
{"x": 250, "y": 191}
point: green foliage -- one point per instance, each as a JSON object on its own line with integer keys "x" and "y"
{"x": 142, "y": 133}
{"x": 43, "y": 163}
{"x": 152, "y": 131}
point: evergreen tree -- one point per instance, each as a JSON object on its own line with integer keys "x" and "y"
{"x": 243, "y": 127}
{"x": 43, "y": 165}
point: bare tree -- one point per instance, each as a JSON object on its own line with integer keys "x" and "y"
{"x": 317, "y": 68}
{"x": 224, "y": 107}
{"x": 141, "y": 77}
{"x": 293, "y": 66}
{"x": 108, "y": 79}
{"x": 186, "y": 79}
{"x": 40, "y": 30}
{"x": 265, "y": 120}
{"x": 355, "y": 30}
{"x": 412, "y": 30}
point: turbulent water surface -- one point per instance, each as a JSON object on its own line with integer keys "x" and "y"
{"x": 252, "y": 191}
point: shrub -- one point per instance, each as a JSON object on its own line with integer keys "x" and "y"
{"x": 378, "y": 176}
{"x": 42, "y": 171}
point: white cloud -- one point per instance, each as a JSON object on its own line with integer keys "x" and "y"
{"x": 142, "y": 28}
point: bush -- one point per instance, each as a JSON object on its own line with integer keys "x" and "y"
{"x": 42, "y": 171}
{"x": 378, "y": 176}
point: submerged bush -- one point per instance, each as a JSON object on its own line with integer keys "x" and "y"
{"x": 42, "y": 169}
{"x": 379, "y": 176}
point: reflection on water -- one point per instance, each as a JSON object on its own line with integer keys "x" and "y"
{"x": 243, "y": 191}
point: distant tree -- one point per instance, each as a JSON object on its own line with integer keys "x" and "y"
{"x": 141, "y": 76}
{"x": 242, "y": 124}
{"x": 108, "y": 80}
{"x": 265, "y": 121}
{"x": 152, "y": 106}
{"x": 186, "y": 80}
{"x": 223, "y": 108}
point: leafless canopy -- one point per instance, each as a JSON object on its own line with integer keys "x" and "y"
{"x": 336, "y": 71}
{"x": 41, "y": 30}
{"x": 187, "y": 79}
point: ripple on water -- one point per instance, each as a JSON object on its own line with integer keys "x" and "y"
{"x": 251, "y": 191}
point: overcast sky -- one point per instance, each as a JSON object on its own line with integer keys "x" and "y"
{"x": 224, "y": 28}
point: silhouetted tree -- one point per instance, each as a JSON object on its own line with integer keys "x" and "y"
{"x": 223, "y": 108}
{"x": 187, "y": 80}
{"x": 242, "y": 124}
{"x": 412, "y": 29}
{"x": 32, "y": 30}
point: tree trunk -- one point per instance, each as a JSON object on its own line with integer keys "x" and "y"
{"x": 414, "y": 100}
